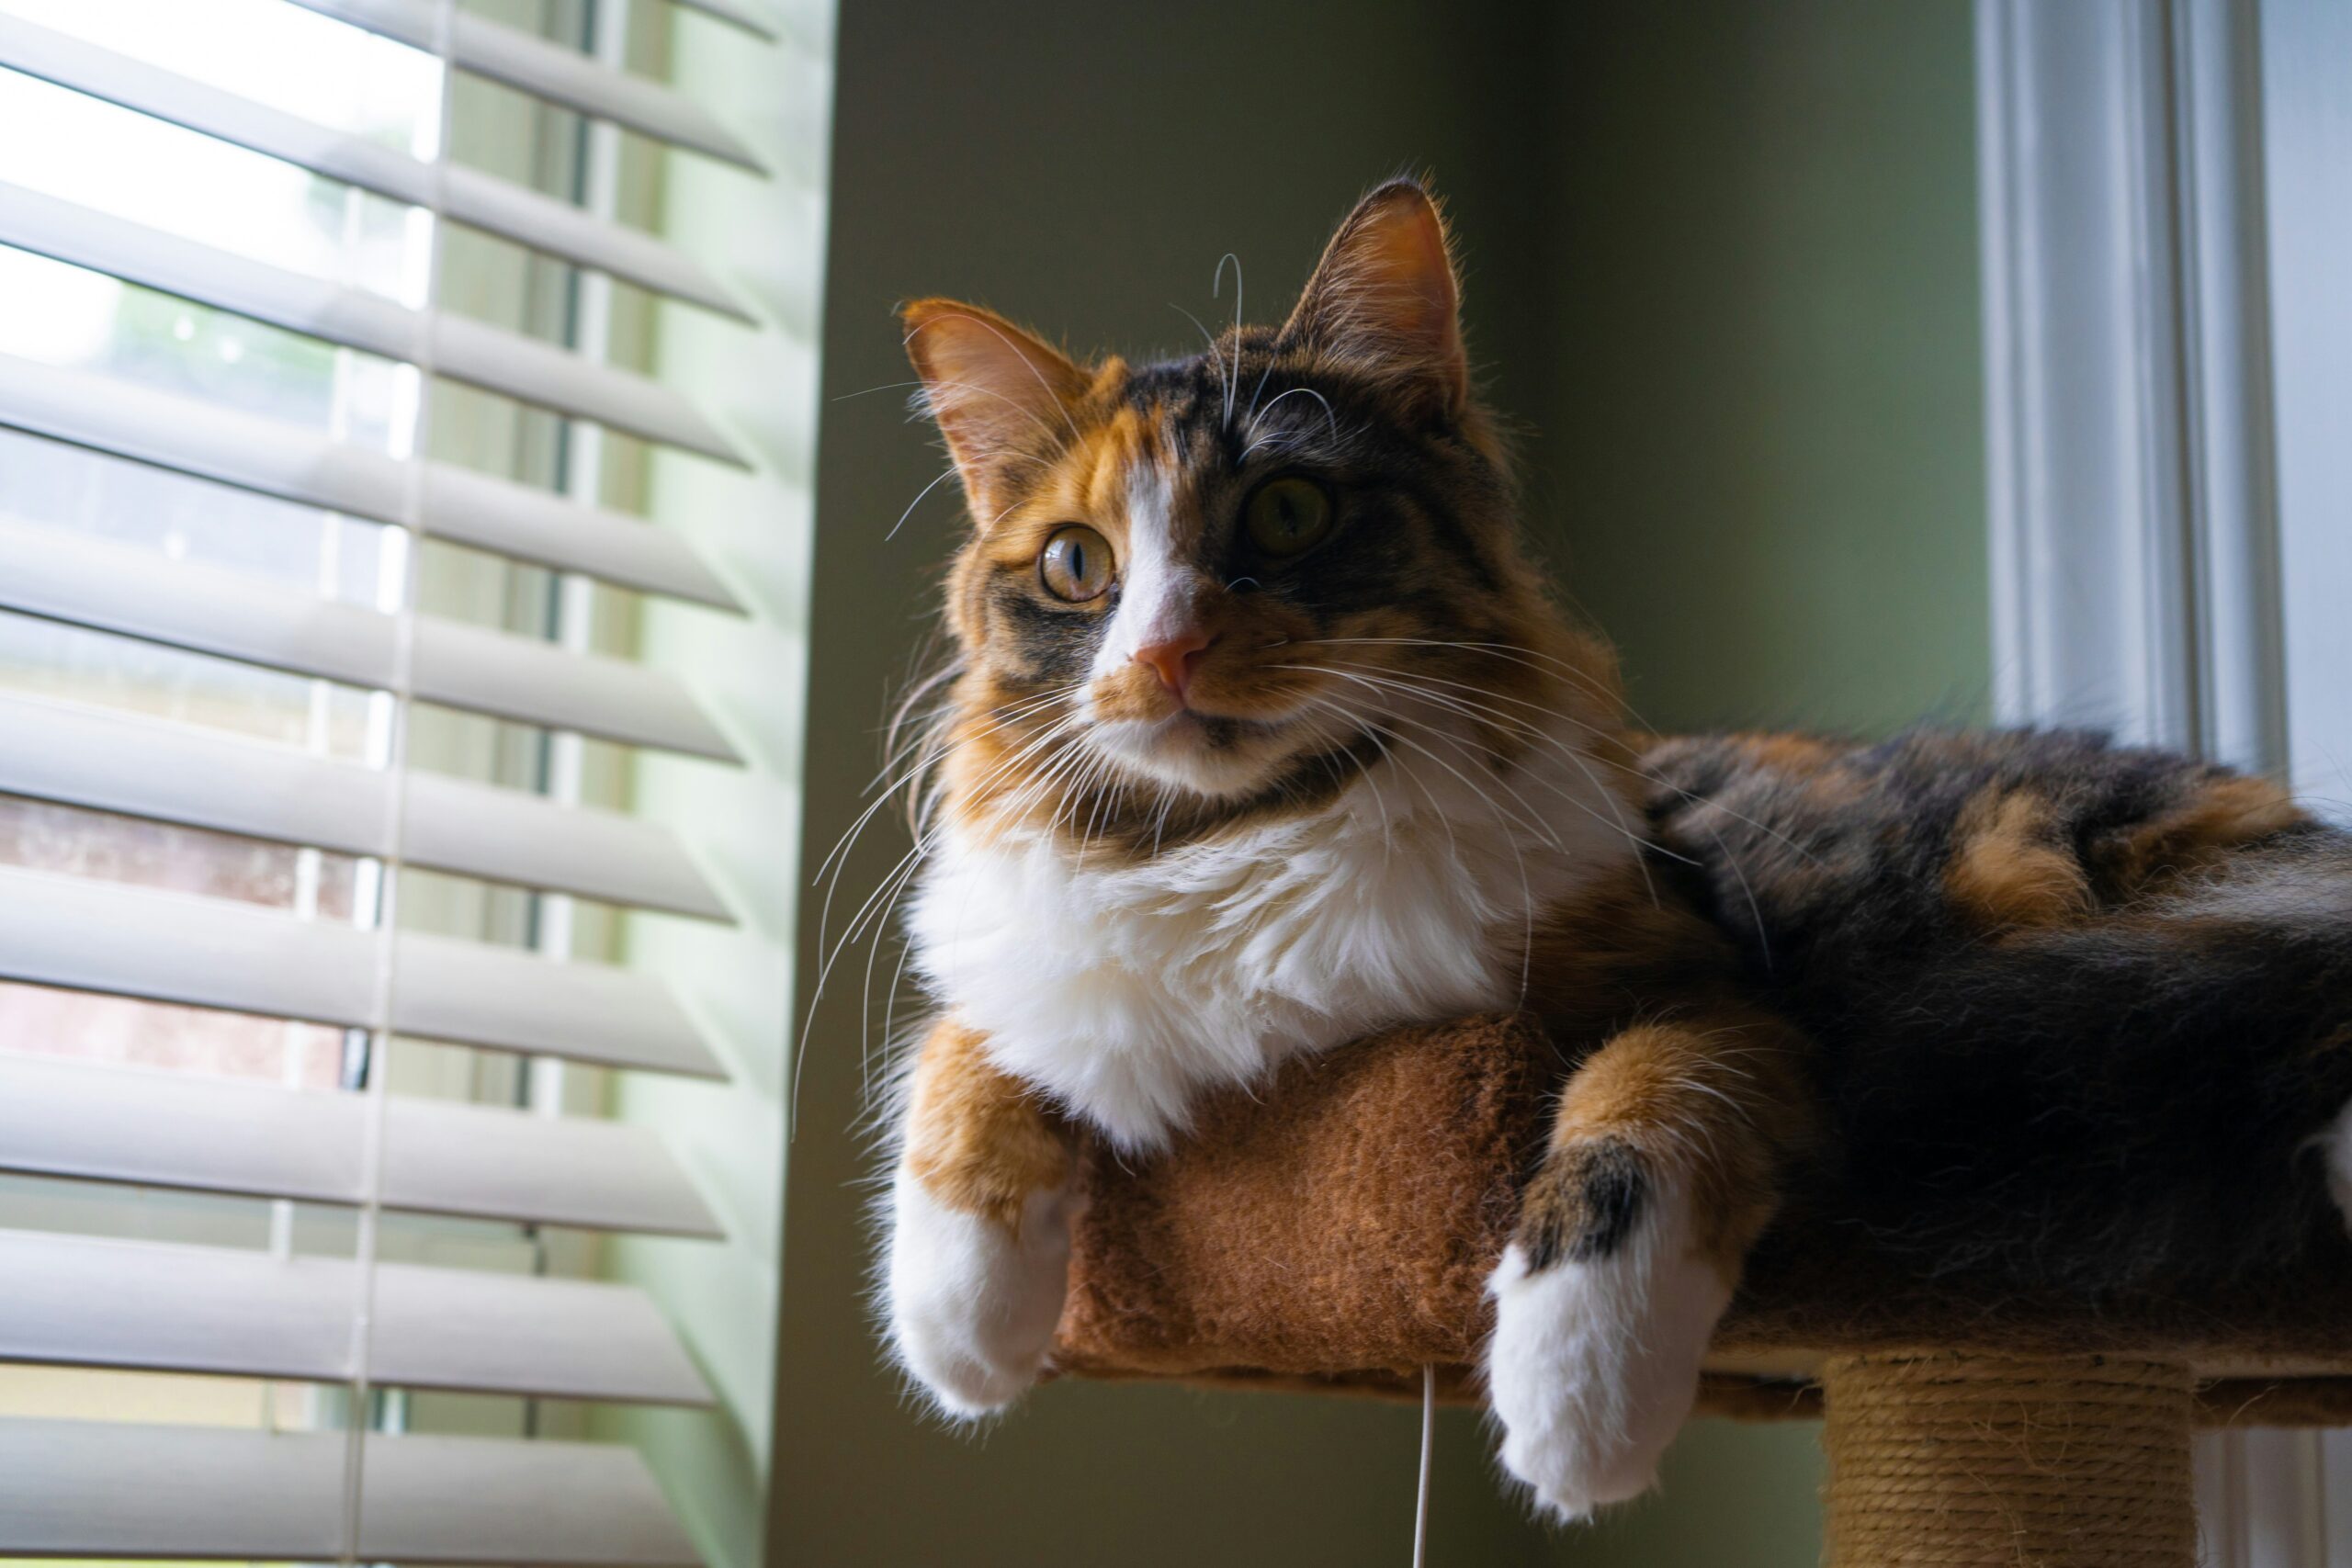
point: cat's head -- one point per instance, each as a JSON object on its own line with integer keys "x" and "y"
{"x": 1209, "y": 585}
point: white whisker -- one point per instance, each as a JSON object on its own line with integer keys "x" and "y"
{"x": 1328, "y": 415}
{"x": 1215, "y": 284}
{"x": 1217, "y": 354}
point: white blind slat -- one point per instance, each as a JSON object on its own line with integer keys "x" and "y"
{"x": 174, "y": 772}
{"x": 544, "y": 683}
{"x": 115, "y": 1490}
{"x": 549, "y": 70}
{"x": 460, "y": 348}
{"x": 469, "y": 197}
{"x": 476, "y": 994}
{"x": 86, "y": 934}
{"x": 71, "y": 576}
{"x": 509, "y": 836}
{"x": 531, "y": 525}
{"x": 272, "y": 458}
{"x": 67, "y": 1118}
{"x": 79, "y": 1301}
{"x": 67, "y": 575}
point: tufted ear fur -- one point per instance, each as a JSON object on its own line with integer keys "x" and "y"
{"x": 999, "y": 394}
{"x": 1384, "y": 295}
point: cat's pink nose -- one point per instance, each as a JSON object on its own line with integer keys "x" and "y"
{"x": 1174, "y": 658}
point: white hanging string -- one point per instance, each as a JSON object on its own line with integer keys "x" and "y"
{"x": 1429, "y": 1449}
{"x": 399, "y": 696}
{"x": 572, "y": 605}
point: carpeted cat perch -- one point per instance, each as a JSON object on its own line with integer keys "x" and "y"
{"x": 1335, "y": 1234}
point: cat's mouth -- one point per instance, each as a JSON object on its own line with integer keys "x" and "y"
{"x": 1210, "y": 753}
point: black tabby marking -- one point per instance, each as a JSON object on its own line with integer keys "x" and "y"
{"x": 1583, "y": 1204}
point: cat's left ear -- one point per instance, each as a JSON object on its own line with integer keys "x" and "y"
{"x": 1385, "y": 296}
{"x": 999, "y": 394}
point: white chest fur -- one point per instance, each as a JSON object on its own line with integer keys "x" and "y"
{"x": 1124, "y": 989}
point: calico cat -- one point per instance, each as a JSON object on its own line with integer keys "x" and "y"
{"x": 1262, "y": 735}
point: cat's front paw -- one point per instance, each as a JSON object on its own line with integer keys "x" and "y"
{"x": 973, "y": 1301}
{"x": 1594, "y": 1363}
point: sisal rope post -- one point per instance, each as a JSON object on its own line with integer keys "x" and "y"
{"x": 1973, "y": 1462}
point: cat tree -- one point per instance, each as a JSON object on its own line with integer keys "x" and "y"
{"x": 1335, "y": 1233}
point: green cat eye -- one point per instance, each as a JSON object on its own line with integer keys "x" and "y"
{"x": 1076, "y": 564}
{"x": 1288, "y": 514}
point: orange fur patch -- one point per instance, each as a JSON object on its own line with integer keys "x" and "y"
{"x": 1711, "y": 1099}
{"x": 1799, "y": 754}
{"x": 978, "y": 1139}
{"x": 2006, "y": 871}
{"x": 2228, "y": 813}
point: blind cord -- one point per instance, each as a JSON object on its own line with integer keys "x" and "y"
{"x": 1429, "y": 1449}
{"x": 374, "y": 1086}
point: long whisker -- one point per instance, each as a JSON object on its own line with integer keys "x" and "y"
{"x": 1442, "y": 700}
{"x": 1532, "y": 821}
{"x": 930, "y": 747}
{"x": 1585, "y": 725}
{"x": 1512, "y": 653}
{"x": 825, "y": 969}
{"x": 889, "y": 1011}
{"x": 1755, "y": 909}
{"x": 1388, "y": 832}
{"x": 1287, "y": 437}
{"x": 1522, "y": 728}
{"x": 944, "y": 474}
{"x": 882, "y": 926}
{"x": 1506, "y": 651}
{"x": 1381, "y": 738}
{"x": 1062, "y": 768}
{"x": 1302, "y": 392}
{"x": 1526, "y": 893}
{"x": 843, "y": 843}
{"x": 1249, "y": 416}
{"x": 885, "y": 897}
{"x": 1223, "y": 373}
{"x": 1215, "y": 284}
{"x": 839, "y": 859}
{"x": 1527, "y": 822}
{"x": 1519, "y": 859}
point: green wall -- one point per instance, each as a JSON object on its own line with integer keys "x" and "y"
{"x": 1763, "y": 423}
{"x": 1720, "y": 270}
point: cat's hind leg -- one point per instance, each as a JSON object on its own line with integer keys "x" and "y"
{"x": 1663, "y": 1166}
{"x": 980, "y": 1209}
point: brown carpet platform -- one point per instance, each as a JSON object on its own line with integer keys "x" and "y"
{"x": 1334, "y": 1233}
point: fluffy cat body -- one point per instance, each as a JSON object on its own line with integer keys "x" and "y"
{"x": 1262, "y": 735}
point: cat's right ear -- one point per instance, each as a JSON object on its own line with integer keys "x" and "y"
{"x": 1385, "y": 298}
{"x": 999, "y": 395}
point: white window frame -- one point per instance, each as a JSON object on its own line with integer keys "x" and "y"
{"x": 2164, "y": 227}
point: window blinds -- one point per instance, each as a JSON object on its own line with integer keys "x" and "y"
{"x": 359, "y": 1319}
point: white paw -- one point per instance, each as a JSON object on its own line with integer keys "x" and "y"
{"x": 973, "y": 1305}
{"x": 1594, "y": 1365}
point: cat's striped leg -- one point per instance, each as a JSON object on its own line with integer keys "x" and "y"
{"x": 1662, "y": 1167}
{"x": 980, "y": 1237}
